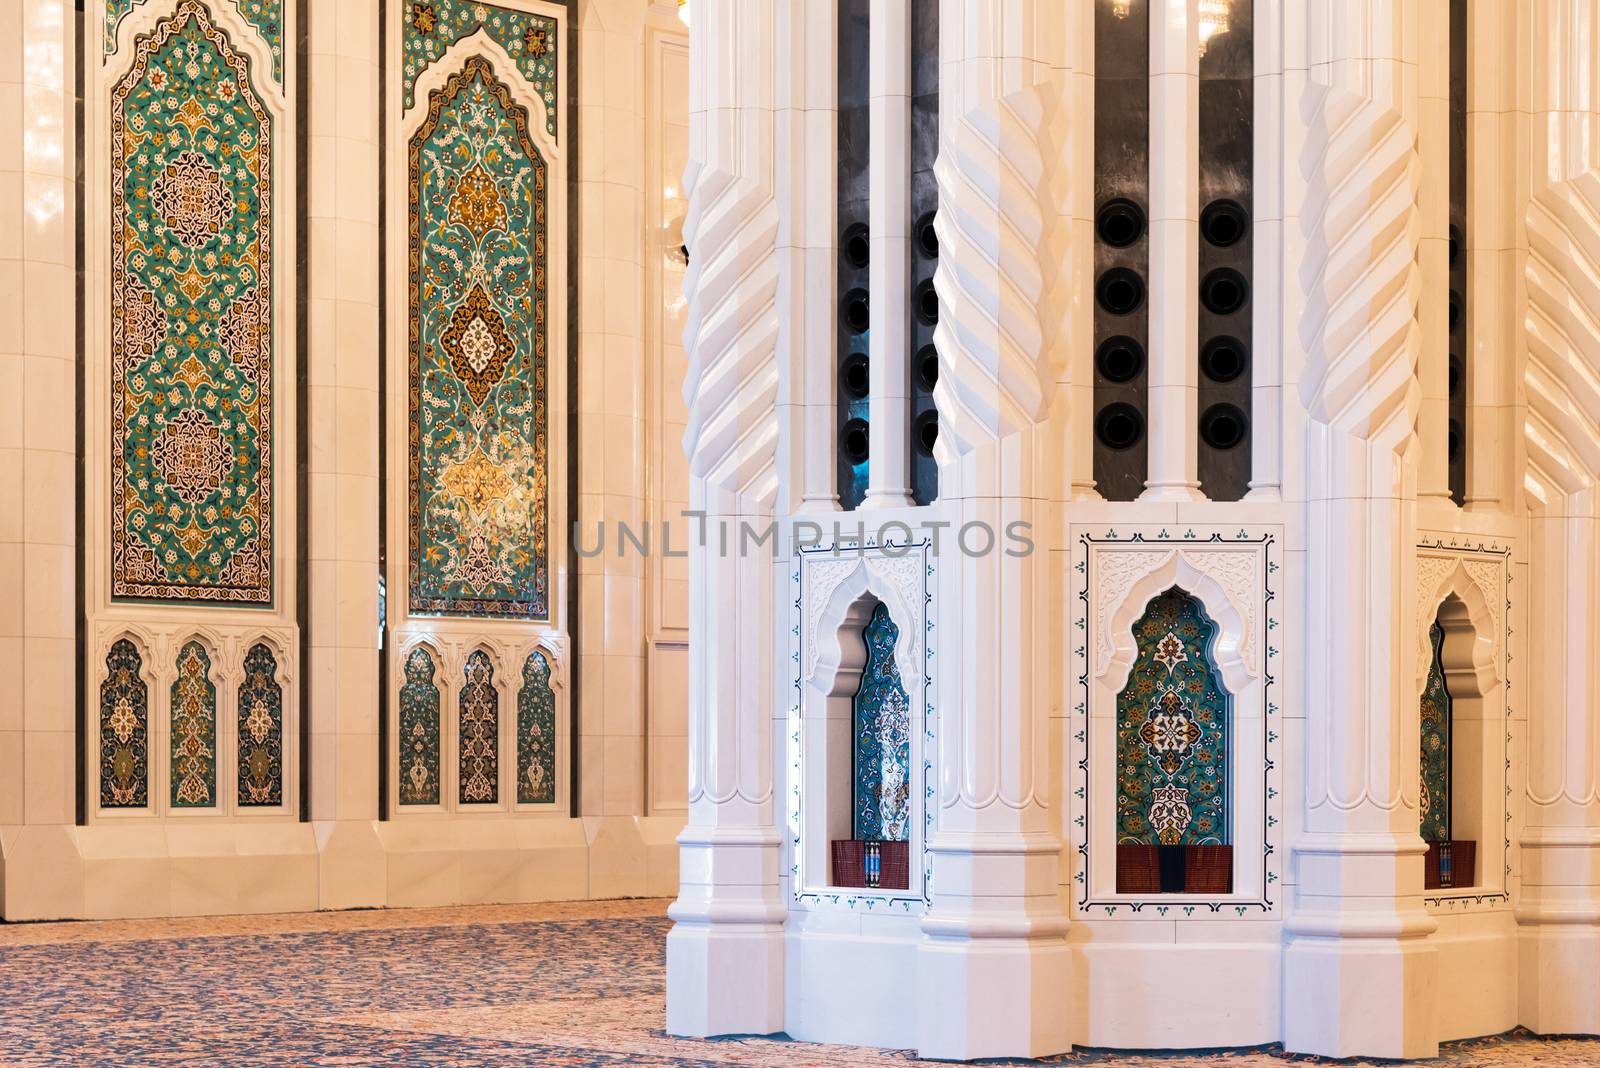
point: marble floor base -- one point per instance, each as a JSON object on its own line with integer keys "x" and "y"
{"x": 567, "y": 984}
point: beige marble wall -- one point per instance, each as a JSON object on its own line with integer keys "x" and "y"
{"x": 37, "y": 466}
{"x": 620, "y": 836}
{"x": 342, "y": 355}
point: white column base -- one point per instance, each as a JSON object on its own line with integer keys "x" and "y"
{"x": 1359, "y": 974}
{"x": 725, "y": 950}
{"x": 983, "y": 998}
{"x": 994, "y": 970}
{"x": 1360, "y": 997}
{"x": 1558, "y": 981}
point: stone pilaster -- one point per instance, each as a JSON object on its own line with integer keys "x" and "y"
{"x": 1357, "y": 969}
{"x": 995, "y": 972}
{"x": 725, "y": 952}
{"x": 1559, "y": 911}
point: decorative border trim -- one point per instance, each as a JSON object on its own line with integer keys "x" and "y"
{"x": 1463, "y": 547}
{"x": 803, "y": 653}
{"x": 1186, "y": 906}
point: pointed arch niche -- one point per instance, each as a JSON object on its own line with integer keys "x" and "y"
{"x": 1461, "y": 729}
{"x": 475, "y": 406}
{"x": 1221, "y": 586}
{"x": 861, "y": 655}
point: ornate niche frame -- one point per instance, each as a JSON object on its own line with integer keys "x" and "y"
{"x": 428, "y": 42}
{"x": 228, "y": 624}
{"x": 1476, "y": 575}
{"x": 1232, "y": 572}
{"x": 833, "y": 588}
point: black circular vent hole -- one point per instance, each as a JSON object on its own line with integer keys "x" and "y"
{"x": 928, "y": 366}
{"x": 856, "y": 247}
{"x": 1456, "y": 243}
{"x": 926, "y": 301}
{"x": 856, "y": 375}
{"x": 854, "y": 311}
{"x": 1223, "y": 426}
{"x": 1455, "y": 439}
{"x": 926, "y": 432}
{"x": 927, "y": 236}
{"x": 1119, "y": 426}
{"x": 1119, "y": 222}
{"x": 1120, "y": 291}
{"x": 1120, "y": 358}
{"x": 1224, "y": 291}
{"x": 1455, "y": 375}
{"x": 1224, "y": 223}
{"x": 853, "y": 440}
{"x": 1222, "y": 359}
{"x": 1455, "y": 310}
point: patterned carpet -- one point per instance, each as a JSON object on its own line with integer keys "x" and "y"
{"x": 577, "y": 984}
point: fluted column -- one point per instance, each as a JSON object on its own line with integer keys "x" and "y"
{"x": 995, "y": 970}
{"x": 1358, "y": 971}
{"x": 1559, "y": 911}
{"x": 725, "y": 951}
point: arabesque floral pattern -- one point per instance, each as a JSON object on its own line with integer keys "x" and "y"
{"x": 478, "y": 444}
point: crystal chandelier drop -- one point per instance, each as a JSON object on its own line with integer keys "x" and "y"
{"x": 1213, "y": 20}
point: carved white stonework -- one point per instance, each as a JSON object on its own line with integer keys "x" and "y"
{"x": 1238, "y": 574}
{"x": 903, "y": 573}
{"x": 1232, "y": 577}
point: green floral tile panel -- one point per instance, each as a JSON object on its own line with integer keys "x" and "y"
{"x": 1172, "y": 731}
{"x": 882, "y": 739}
{"x": 266, "y": 16}
{"x": 477, "y": 356}
{"x": 194, "y": 730}
{"x": 536, "y": 733}
{"x": 432, "y": 26}
{"x": 1435, "y": 793}
{"x": 260, "y": 731}
{"x": 480, "y": 733}
{"x": 419, "y": 731}
{"x": 191, "y": 321}
{"x": 124, "y": 729}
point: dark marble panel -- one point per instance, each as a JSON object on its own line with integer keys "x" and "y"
{"x": 924, "y": 147}
{"x": 1226, "y": 163}
{"x": 1121, "y": 172}
{"x": 1458, "y": 309}
{"x": 854, "y": 160}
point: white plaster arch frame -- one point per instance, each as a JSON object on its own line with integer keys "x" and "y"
{"x": 1467, "y": 588}
{"x": 1229, "y": 574}
{"x": 1228, "y": 649}
{"x": 506, "y": 72}
{"x": 834, "y": 598}
{"x": 1473, "y": 582}
{"x": 837, "y": 591}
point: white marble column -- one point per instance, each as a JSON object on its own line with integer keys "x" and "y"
{"x": 38, "y": 497}
{"x": 995, "y": 976}
{"x": 1174, "y": 296}
{"x": 341, "y": 420}
{"x": 725, "y": 951}
{"x": 889, "y": 270}
{"x": 1358, "y": 971}
{"x": 1559, "y": 911}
